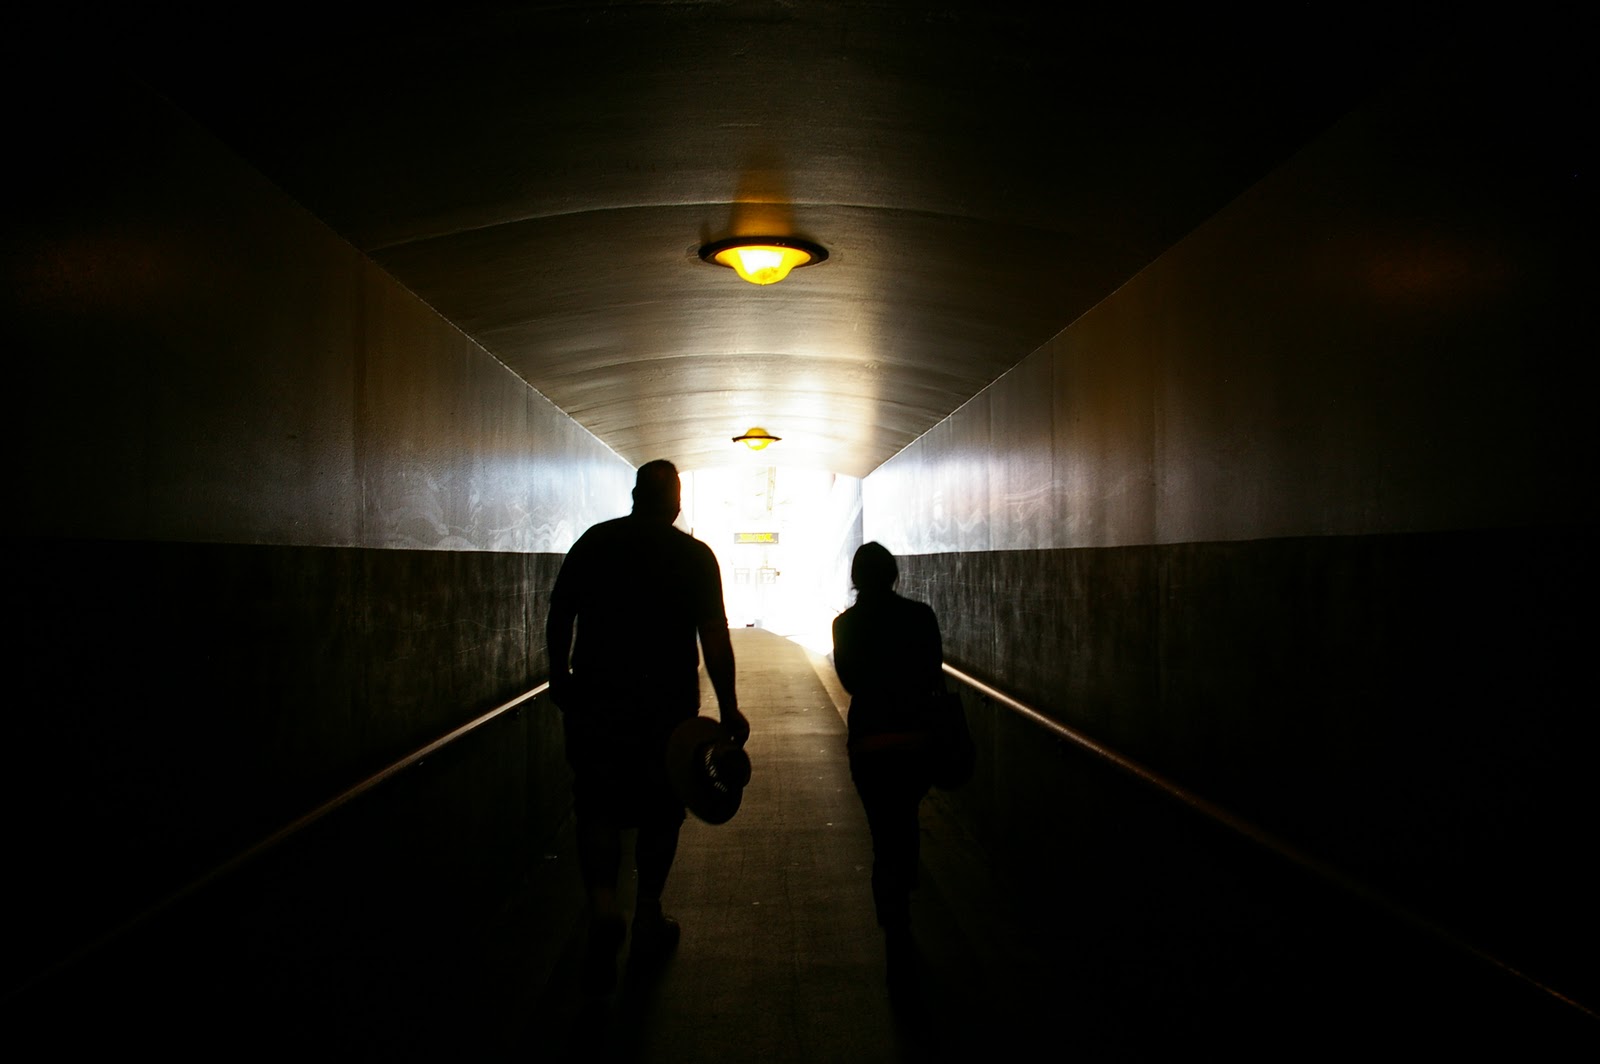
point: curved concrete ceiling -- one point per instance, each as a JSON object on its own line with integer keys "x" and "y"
{"x": 981, "y": 175}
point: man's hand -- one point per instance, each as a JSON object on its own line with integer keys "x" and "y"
{"x": 736, "y": 724}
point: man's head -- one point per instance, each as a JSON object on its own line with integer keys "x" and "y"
{"x": 873, "y": 568}
{"x": 657, "y": 492}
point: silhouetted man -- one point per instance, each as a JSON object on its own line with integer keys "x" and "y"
{"x": 642, "y": 594}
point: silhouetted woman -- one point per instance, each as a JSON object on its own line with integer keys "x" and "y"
{"x": 887, "y": 652}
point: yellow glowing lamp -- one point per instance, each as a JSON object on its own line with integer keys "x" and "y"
{"x": 763, "y": 263}
{"x": 763, "y": 260}
{"x": 756, "y": 438}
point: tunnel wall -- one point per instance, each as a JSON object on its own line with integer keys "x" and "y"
{"x": 274, "y": 525}
{"x": 1298, "y": 518}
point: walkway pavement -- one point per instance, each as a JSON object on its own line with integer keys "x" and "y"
{"x": 781, "y": 959}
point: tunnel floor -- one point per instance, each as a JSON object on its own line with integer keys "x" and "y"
{"x": 780, "y": 958}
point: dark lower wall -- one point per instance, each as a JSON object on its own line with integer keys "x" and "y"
{"x": 179, "y": 703}
{"x": 1402, "y": 707}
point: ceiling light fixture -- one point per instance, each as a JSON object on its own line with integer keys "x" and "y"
{"x": 756, "y": 438}
{"x": 763, "y": 259}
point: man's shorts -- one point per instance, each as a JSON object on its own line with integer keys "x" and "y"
{"x": 619, "y": 767}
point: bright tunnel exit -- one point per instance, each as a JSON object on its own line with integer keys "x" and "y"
{"x": 783, "y": 538}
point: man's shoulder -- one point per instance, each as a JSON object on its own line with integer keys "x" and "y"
{"x": 692, "y": 550}
{"x": 673, "y": 537}
{"x": 604, "y": 530}
{"x": 622, "y": 531}
{"x": 691, "y": 542}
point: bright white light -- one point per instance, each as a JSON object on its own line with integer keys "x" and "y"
{"x": 790, "y": 582}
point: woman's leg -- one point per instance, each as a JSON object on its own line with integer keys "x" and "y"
{"x": 890, "y": 793}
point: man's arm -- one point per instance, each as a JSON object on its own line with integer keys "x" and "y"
{"x": 716, "y": 647}
{"x": 718, "y": 650}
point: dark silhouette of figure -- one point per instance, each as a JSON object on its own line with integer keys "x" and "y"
{"x": 887, "y": 652}
{"x": 641, "y": 594}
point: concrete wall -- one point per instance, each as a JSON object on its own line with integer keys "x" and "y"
{"x": 1299, "y": 518}
{"x": 274, "y": 524}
